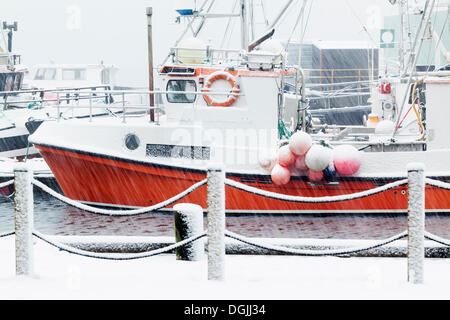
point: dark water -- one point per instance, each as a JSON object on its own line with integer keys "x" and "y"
{"x": 54, "y": 217}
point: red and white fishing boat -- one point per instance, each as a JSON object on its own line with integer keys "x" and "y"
{"x": 134, "y": 162}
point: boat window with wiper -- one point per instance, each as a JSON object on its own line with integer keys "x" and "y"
{"x": 45, "y": 74}
{"x": 181, "y": 85}
{"x": 74, "y": 74}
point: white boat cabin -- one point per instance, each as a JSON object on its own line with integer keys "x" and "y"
{"x": 50, "y": 76}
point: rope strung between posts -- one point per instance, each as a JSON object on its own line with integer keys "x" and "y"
{"x": 437, "y": 239}
{"x": 132, "y": 212}
{"x": 7, "y": 183}
{"x": 327, "y": 199}
{"x": 437, "y": 183}
{"x": 7, "y": 234}
{"x": 117, "y": 256}
{"x": 335, "y": 252}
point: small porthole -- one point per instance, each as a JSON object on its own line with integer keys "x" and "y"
{"x": 132, "y": 141}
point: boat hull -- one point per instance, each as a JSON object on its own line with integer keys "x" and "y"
{"x": 110, "y": 181}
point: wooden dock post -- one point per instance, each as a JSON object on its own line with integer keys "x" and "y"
{"x": 188, "y": 221}
{"x": 23, "y": 219}
{"x": 216, "y": 222}
{"x": 416, "y": 222}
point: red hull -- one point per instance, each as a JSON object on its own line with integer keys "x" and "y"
{"x": 97, "y": 179}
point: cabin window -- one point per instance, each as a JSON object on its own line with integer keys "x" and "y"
{"x": 74, "y": 74}
{"x": 6, "y": 81}
{"x": 18, "y": 81}
{"x": 181, "y": 85}
{"x": 45, "y": 74}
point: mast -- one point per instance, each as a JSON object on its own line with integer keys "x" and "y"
{"x": 244, "y": 26}
{"x": 300, "y": 89}
{"x": 149, "y": 13}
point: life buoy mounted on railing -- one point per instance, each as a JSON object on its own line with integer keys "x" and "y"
{"x": 234, "y": 93}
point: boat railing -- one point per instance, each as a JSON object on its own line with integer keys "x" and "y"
{"x": 123, "y": 103}
{"x": 214, "y": 56}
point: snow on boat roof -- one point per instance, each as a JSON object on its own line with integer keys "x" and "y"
{"x": 72, "y": 65}
{"x": 324, "y": 44}
{"x": 332, "y": 44}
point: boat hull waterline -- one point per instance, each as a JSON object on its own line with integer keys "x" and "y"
{"x": 109, "y": 181}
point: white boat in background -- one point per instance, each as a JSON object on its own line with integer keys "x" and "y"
{"x": 59, "y": 76}
{"x": 55, "y": 91}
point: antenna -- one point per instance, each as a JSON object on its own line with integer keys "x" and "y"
{"x": 11, "y": 28}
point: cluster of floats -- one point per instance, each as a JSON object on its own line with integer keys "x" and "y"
{"x": 227, "y": 106}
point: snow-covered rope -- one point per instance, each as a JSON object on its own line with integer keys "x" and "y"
{"x": 117, "y": 256}
{"x": 335, "y": 252}
{"x": 131, "y": 212}
{"x": 6, "y": 183}
{"x": 285, "y": 197}
{"x": 437, "y": 183}
{"x": 7, "y": 234}
{"x": 437, "y": 239}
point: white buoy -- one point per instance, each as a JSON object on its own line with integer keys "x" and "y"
{"x": 300, "y": 142}
{"x": 268, "y": 160}
{"x": 318, "y": 157}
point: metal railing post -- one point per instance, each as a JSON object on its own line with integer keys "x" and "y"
{"x": 57, "y": 106}
{"x": 416, "y": 222}
{"x": 216, "y": 222}
{"x": 123, "y": 108}
{"x": 23, "y": 219}
{"x": 90, "y": 106}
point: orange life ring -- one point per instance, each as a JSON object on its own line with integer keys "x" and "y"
{"x": 234, "y": 89}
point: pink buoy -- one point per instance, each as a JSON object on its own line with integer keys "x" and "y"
{"x": 300, "y": 164}
{"x": 347, "y": 159}
{"x": 315, "y": 175}
{"x": 285, "y": 156}
{"x": 299, "y": 143}
{"x": 280, "y": 175}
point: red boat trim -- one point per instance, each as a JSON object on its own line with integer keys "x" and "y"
{"x": 378, "y": 180}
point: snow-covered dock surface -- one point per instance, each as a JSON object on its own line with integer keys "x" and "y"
{"x": 60, "y": 275}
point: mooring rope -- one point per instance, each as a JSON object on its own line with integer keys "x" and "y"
{"x": 131, "y": 212}
{"x": 436, "y": 238}
{"x": 117, "y": 256}
{"x": 326, "y": 199}
{"x": 7, "y": 234}
{"x": 6, "y": 183}
{"x": 437, "y": 183}
{"x": 334, "y": 252}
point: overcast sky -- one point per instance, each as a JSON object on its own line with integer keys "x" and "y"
{"x": 114, "y": 31}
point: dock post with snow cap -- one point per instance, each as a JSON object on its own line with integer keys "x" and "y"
{"x": 416, "y": 222}
{"x": 188, "y": 221}
{"x": 216, "y": 222}
{"x": 23, "y": 219}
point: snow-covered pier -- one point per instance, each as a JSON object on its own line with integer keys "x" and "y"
{"x": 219, "y": 242}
